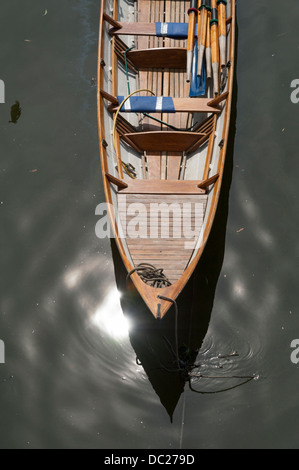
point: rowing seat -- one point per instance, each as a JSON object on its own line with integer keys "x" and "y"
{"x": 158, "y": 58}
{"x": 162, "y": 104}
{"x": 138, "y": 186}
{"x": 164, "y": 141}
{"x": 159, "y": 29}
{"x": 162, "y": 187}
{"x": 165, "y": 104}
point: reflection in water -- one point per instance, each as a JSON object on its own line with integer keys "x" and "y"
{"x": 109, "y": 317}
{"x": 15, "y": 112}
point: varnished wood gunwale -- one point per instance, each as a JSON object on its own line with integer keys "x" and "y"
{"x": 150, "y": 295}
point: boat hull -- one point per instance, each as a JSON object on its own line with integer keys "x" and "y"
{"x": 112, "y": 78}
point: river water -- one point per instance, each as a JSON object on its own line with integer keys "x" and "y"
{"x": 86, "y": 366}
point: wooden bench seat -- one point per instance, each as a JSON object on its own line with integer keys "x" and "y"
{"x": 169, "y": 187}
{"x": 136, "y": 29}
{"x": 181, "y": 105}
{"x": 133, "y": 29}
{"x": 163, "y": 141}
{"x": 159, "y": 58}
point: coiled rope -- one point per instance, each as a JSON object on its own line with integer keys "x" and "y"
{"x": 151, "y": 275}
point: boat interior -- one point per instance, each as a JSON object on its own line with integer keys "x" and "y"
{"x": 165, "y": 139}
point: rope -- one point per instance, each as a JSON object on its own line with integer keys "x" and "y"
{"x": 126, "y": 65}
{"x": 170, "y": 125}
{"x": 248, "y": 379}
{"x": 151, "y": 275}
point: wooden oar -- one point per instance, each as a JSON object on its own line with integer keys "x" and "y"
{"x": 208, "y": 41}
{"x": 222, "y": 30}
{"x": 192, "y": 12}
{"x": 215, "y": 45}
{"x": 201, "y": 34}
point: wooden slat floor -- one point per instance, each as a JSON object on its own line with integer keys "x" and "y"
{"x": 163, "y": 239}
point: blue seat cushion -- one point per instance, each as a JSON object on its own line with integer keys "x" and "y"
{"x": 172, "y": 30}
{"x": 147, "y": 104}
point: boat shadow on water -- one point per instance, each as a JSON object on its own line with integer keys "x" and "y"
{"x": 168, "y": 349}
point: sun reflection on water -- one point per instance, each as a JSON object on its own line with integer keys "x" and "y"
{"x": 109, "y": 317}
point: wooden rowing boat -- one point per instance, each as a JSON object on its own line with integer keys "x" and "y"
{"x": 162, "y": 139}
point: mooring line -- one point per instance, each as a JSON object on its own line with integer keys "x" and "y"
{"x": 182, "y": 422}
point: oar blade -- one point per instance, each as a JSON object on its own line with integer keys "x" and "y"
{"x": 198, "y": 83}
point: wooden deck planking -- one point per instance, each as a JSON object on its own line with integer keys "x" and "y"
{"x": 145, "y": 239}
{"x": 173, "y": 165}
{"x": 153, "y": 160}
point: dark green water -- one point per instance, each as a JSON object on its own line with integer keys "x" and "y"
{"x": 71, "y": 379}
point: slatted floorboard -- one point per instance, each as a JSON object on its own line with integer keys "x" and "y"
{"x": 162, "y": 239}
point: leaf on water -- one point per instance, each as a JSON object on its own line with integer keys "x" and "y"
{"x": 15, "y": 112}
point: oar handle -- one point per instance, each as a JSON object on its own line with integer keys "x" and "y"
{"x": 222, "y": 30}
{"x": 208, "y": 47}
{"x": 202, "y": 33}
{"x": 222, "y": 16}
{"x": 215, "y": 45}
{"x": 192, "y": 12}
